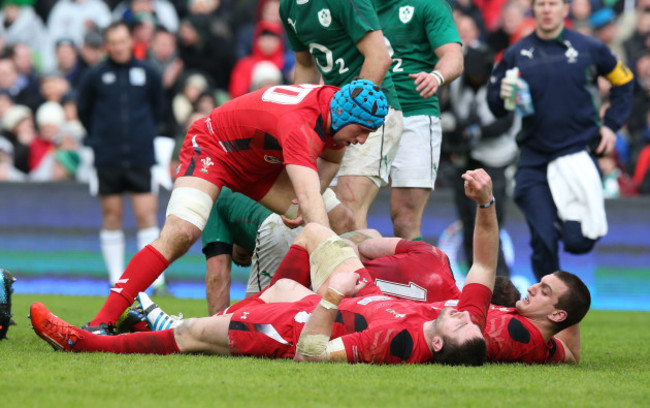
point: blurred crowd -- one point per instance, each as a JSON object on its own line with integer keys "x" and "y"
{"x": 208, "y": 51}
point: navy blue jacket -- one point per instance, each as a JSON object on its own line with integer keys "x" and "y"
{"x": 120, "y": 106}
{"x": 562, "y": 75}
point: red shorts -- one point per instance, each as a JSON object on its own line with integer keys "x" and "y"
{"x": 269, "y": 330}
{"x": 201, "y": 156}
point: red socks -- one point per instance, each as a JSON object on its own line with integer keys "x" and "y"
{"x": 140, "y": 273}
{"x": 161, "y": 342}
{"x": 295, "y": 266}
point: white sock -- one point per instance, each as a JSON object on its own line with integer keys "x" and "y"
{"x": 145, "y": 237}
{"x": 112, "y": 243}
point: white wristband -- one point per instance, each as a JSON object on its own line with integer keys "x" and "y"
{"x": 438, "y": 76}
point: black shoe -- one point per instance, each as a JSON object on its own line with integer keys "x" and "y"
{"x": 102, "y": 329}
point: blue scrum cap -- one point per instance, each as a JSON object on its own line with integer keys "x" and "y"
{"x": 361, "y": 102}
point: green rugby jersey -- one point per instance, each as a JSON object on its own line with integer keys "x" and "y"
{"x": 414, "y": 29}
{"x": 329, "y": 30}
{"x": 234, "y": 218}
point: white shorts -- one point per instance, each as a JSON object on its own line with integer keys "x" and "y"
{"x": 272, "y": 243}
{"x": 418, "y": 157}
{"x": 373, "y": 158}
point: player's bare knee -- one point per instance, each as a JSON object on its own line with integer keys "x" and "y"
{"x": 342, "y": 219}
{"x": 177, "y": 236}
{"x": 183, "y": 335}
{"x": 279, "y": 290}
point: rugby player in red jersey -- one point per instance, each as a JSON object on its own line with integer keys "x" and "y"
{"x": 274, "y": 145}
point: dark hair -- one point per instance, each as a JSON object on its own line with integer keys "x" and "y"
{"x": 115, "y": 24}
{"x": 575, "y": 302}
{"x": 470, "y": 353}
{"x": 505, "y": 293}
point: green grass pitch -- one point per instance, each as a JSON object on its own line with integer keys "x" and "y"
{"x": 614, "y": 372}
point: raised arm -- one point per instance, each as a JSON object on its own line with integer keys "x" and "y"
{"x": 478, "y": 187}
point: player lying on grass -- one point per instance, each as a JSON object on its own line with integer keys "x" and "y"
{"x": 373, "y": 327}
{"x": 543, "y": 327}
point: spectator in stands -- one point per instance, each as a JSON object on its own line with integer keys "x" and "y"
{"x": 54, "y": 86}
{"x": 6, "y": 102}
{"x": 605, "y": 29}
{"x": 20, "y": 24}
{"x": 163, "y": 54}
{"x": 265, "y": 74}
{"x": 67, "y": 61}
{"x": 639, "y": 124}
{"x": 183, "y": 104}
{"x": 580, "y": 12}
{"x": 72, "y": 19}
{"x": 55, "y": 151}
{"x": 511, "y": 17}
{"x": 49, "y": 119}
{"x": 18, "y": 128}
{"x": 267, "y": 46}
{"x": 143, "y": 28}
{"x": 120, "y": 103}
{"x": 640, "y": 40}
{"x": 265, "y": 10}
{"x": 91, "y": 53}
{"x": 11, "y": 84}
{"x": 479, "y": 140}
{"x": 469, "y": 8}
{"x": 28, "y": 79}
{"x": 163, "y": 11}
{"x": 467, "y": 30}
{"x": 8, "y": 172}
{"x": 491, "y": 11}
{"x": 204, "y": 104}
{"x": 202, "y": 50}
{"x": 642, "y": 171}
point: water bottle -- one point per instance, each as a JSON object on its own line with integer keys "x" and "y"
{"x": 524, "y": 100}
{"x": 511, "y": 78}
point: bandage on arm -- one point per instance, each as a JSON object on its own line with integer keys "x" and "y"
{"x": 314, "y": 343}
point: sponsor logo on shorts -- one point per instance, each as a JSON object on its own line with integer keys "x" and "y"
{"x": 207, "y": 162}
{"x": 271, "y": 159}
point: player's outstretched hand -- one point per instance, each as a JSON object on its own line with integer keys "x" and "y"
{"x": 478, "y": 186}
{"x": 346, "y": 283}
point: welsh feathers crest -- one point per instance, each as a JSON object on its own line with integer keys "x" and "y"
{"x": 405, "y": 14}
{"x": 324, "y": 17}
